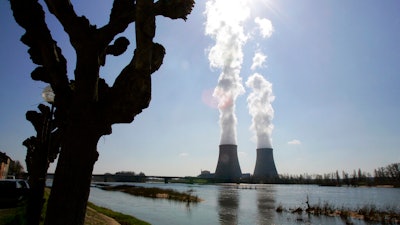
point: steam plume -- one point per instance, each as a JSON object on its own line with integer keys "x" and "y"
{"x": 258, "y": 60}
{"x": 265, "y": 26}
{"x": 260, "y": 108}
{"x": 224, "y": 23}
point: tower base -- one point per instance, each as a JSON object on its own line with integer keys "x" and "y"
{"x": 228, "y": 168}
{"x": 265, "y": 170}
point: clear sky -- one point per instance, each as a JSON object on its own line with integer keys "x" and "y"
{"x": 334, "y": 67}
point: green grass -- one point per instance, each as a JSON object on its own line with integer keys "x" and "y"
{"x": 13, "y": 216}
{"x": 121, "y": 218}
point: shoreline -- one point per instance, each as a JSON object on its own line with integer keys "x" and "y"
{"x": 368, "y": 213}
{"x": 109, "y": 217}
{"x": 95, "y": 217}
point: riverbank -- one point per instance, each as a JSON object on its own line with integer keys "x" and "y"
{"x": 95, "y": 215}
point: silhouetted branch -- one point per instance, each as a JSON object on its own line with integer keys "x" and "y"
{"x": 119, "y": 47}
{"x": 76, "y": 27}
{"x": 122, "y": 14}
{"x": 41, "y": 74}
{"x": 174, "y": 9}
{"x": 43, "y": 49}
{"x": 131, "y": 92}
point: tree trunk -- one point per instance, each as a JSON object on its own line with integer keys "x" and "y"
{"x": 71, "y": 185}
{"x": 37, "y": 183}
{"x": 35, "y": 200}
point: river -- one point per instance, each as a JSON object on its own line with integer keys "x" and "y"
{"x": 246, "y": 204}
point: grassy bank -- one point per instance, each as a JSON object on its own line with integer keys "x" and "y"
{"x": 13, "y": 216}
{"x": 155, "y": 193}
{"x": 119, "y": 217}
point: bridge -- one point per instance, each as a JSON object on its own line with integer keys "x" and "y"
{"x": 131, "y": 178}
{"x": 126, "y": 178}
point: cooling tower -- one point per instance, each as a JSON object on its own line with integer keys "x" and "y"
{"x": 265, "y": 169}
{"x": 228, "y": 168}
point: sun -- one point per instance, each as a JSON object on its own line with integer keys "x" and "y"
{"x": 227, "y": 11}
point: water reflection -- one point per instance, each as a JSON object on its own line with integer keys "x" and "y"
{"x": 228, "y": 205}
{"x": 245, "y": 204}
{"x": 266, "y": 204}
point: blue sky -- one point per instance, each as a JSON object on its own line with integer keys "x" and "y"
{"x": 335, "y": 74}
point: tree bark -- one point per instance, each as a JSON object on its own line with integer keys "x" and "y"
{"x": 36, "y": 161}
{"x": 39, "y": 154}
{"x": 71, "y": 184}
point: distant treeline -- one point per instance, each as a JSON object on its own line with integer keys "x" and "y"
{"x": 124, "y": 176}
{"x": 388, "y": 175}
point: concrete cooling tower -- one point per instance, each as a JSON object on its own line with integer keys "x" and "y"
{"x": 228, "y": 168}
{"x": 265, "y": 169}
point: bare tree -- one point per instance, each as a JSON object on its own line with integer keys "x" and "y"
{"x": 86, "y": 107}
{"x": 40, "y": 153}
{"x": 15, "y": 169}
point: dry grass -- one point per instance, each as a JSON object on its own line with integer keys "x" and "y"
{"x": 155, "y": 193}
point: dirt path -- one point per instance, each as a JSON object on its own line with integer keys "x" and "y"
{"x": 95, "y": 218}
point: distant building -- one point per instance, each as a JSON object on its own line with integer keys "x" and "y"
{"x": 246, "y": 176}
{"x": 206, "y": 174}
{"x": 4, "y": 165}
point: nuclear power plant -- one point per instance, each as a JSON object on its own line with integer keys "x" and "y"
{"x": 228, "y": 168}
{"x": 265, "y": 169}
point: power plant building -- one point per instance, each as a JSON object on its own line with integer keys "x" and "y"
{"x": 265, "y": 169}
{"x": 228, "y": 168}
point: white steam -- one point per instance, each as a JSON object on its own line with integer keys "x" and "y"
{"x": 265, "y": 26}
{"x": 260, "y": 108}
{"x": 224, "y": 23}
{"x": 260, "y": 99}
{"x": 258, "y": 60}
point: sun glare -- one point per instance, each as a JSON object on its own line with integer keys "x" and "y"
{"x": 228, "y": 11}
{"x": 259, "y": 7}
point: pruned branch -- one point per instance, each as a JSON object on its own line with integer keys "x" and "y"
{"x": 145, "y": 30}
{"x": 122, "y": 14}
{"x": 41, "y": 74}
{"x": 76, "y": 27}
{"x": 45, "y": 132}
{"x": 119, "y": 47}
{"x": 131, "y": 92}
{"x": 43, "y": 49}
{"x": 174, "y": 9}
